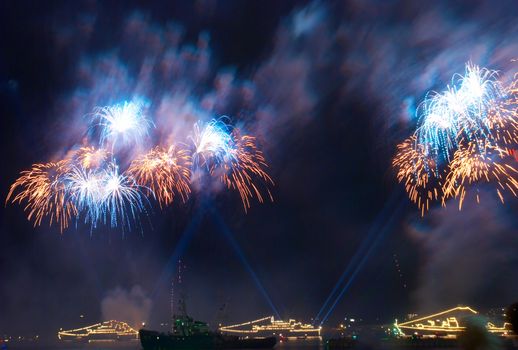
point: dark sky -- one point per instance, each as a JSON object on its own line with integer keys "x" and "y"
{"x": 334, "y": 88}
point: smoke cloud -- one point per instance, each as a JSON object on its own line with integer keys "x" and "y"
{"x": 321, "y": 54}
{"x": 131, "y": 306}
{"x": 469, "y": 256}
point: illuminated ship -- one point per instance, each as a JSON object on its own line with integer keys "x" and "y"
{"x": 447, "y": 323}
{"x": 109, "y": 331}
{"x": 268, "y": 326}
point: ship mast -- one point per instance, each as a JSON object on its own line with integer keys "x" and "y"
{"x": 178, "y": 306}
{"x": 221, "y": 315}
{"x": 174, "y": 282}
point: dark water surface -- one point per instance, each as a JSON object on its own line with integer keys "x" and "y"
{"x": 313, "y": 344}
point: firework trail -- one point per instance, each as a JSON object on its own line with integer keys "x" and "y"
{"x": 418, "y": 172}
{"x": 471, "y": 165}
{"x": 124, "y": 123}
{"x": 164, "y": 172}
{"x": 44, "y": 190}
{"x": 245, "y": 164}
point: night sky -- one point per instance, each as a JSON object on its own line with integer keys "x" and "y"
{"x": 328, "y": 88}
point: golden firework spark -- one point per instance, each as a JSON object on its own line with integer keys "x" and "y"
{"x": 164, "y": 172}
{"x": 502, "y": 118}
{"x": 472, "y": 164}
{"x": 91, "y": 157}
{"x": 244, "y": 170}
{"x": 44, "y": 190}
{"x": 418, "y": 172}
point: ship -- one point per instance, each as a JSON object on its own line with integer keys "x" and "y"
{"x": 269, "y": 326}
{"x": 190, "y": 334}
{"x": 109, "y": 331}
{"x": 448, "y": 323}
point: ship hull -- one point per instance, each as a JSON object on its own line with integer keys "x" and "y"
{"x": 249, "y": 343}
{"x": 152, "y": 340}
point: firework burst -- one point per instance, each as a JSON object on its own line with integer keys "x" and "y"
{"x": 466, "y": 133}
{"x": 104, "y": 195}
{"x": 459, "y": 112}
{"x": 44, "y": 191}
{"x": 122, "y": 123}
{"x": 165, "y": 172}
{"x": 479, "y": 87}
{"x": 244, "y": 170}
{"x": 475, "y": 163}
{"x": 212, "y": 142}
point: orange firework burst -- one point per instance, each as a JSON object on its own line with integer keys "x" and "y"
{"x": 44, "y": 190}
{"x": 418, "y": 172}
{"x": 91, "y": 157}
{"x": 471, "y": 165}
{"x": 503, "y": 116}
{"x": 245, "y": 164}
{"x": 164, "y": 172}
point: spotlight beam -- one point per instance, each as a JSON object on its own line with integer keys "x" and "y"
{"x": 230, "y": 237}
{"x": 366, "y": 245}
{"x": 387, "y": 228}
{"x": 180, "y": 248}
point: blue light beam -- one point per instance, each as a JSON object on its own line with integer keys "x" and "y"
{"x": 228, "y": 234}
